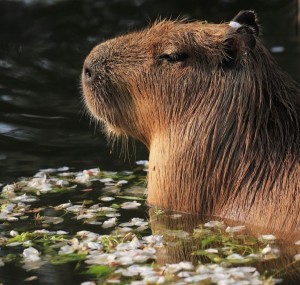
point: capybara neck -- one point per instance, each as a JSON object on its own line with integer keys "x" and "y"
{"x": 219, "y": 117}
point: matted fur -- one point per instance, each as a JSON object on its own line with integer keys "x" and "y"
{"x": 224, "y": 139}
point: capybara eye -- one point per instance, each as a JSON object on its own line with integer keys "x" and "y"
{"x": 173, "y": 57}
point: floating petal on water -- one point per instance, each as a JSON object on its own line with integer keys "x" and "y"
{"x": 94, "y": 245}
{"x": 75, "y": 208}
{"x": 67, "y": 249}
{"x": 31, "y": 254}
{"x": 156, "y": 240}
{"x": 235, "y": 256}
{"x": 268, "y": 237}
{"x": 106, "y": 180}
{"x": 16, "y": 243}
{"x": 109, "y": 223}
{"x": 107, "y": 199}
{"x": 297, "y": 257}
{"x": 25, "y": 198}
{"x": 13, "y": 233}
{"x": 214, "y": 224}
{"x": 121, "y": 182}
{"x": 211, "y": 250}
{"x": 130, "y": 205}
{"x": 88, "y": 283}
{"x": 62, "y": 232}
{"x": 235, "y": 229}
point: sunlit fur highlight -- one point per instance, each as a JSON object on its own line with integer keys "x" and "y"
{"x": 223, "y": 140}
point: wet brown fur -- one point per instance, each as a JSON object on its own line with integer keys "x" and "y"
{"x": 223, "y": 138}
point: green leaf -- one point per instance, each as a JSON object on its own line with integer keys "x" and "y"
{"x": 209, "y": 240}
{"x": 65, "y": 258}
{"x": 99, "y": 270}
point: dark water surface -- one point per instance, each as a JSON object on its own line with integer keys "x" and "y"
{"x": 42, "y": 48}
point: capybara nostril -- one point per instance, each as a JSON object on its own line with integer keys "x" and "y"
{"x": 87, "y": 73}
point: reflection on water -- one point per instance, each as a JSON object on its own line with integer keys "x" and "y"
{"x": 178, "y": 233}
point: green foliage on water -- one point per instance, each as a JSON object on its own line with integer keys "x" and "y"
{"x": 100, "y": 271}
{"x": 48, "y": 219}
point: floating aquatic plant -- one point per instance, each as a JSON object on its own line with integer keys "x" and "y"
{"x": 45, "y": 220}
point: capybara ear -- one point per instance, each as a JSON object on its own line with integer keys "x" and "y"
{"x": 245, "y": 18}
{"x": 240, "y": 38}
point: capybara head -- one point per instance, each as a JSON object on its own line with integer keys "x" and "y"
{"x": 219, "y": 117}
{"x": 141, "y": 82}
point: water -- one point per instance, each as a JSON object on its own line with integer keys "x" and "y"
{"x": 42, "y": 47}
{"x": 83, "y": 212}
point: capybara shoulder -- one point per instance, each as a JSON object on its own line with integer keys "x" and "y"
{"x": 220, "y": 118}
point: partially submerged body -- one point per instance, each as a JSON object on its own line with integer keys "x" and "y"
{"x": 220, "y": 118}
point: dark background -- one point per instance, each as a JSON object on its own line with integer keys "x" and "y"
{"x": 42, "y": 47}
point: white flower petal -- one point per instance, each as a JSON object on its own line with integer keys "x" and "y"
{"x": 13, "y": 233}
{"x": 107, "y": 199}
{"x": 266, "y": 250}
{"x": 214, "y": 224}
{"x": 154, "y": 239}
{"x": 67, "y": 249}
{"x": 235, "y": 229}
{"x": 25, "y": 198}
{"x": 16, "y": 243}
{"x": 130, "y": 205}
{"x": 235, "y": 256}
{"x": 31, "y": 254}
{"x": 106, "y": 180}
{"x": 268, "y": 237}
{"x": 297, "y": 257}
{"x": 75, "y": 208}
{"x": 88, "y": 283}
{"x": 121, "y": 182}
{"x": 211, "y": 250}
{"x": 142, "y": 162}
{"x": 94, "y": 245}
{"x": 186, "y": 265}
{"x": 109, "y": 223}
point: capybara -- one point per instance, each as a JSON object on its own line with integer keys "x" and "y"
{"x": 220, "y": 118}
